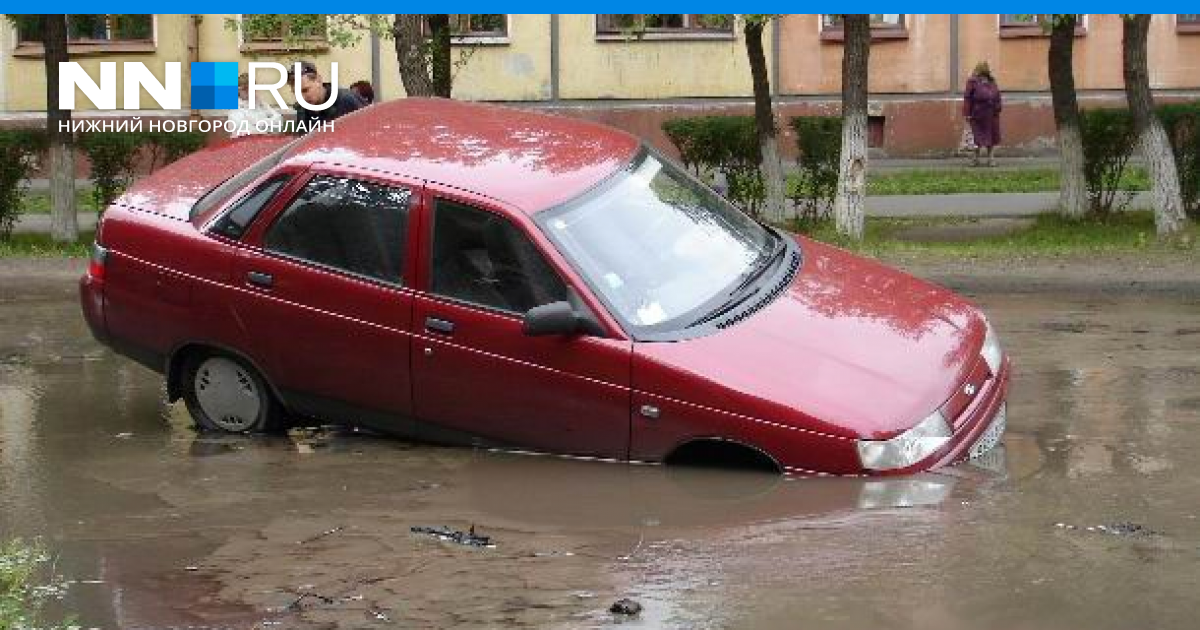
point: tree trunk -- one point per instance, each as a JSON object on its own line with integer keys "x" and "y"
{"x": 64, "y": 225}
{"x": 849, "y": 205}
{"x": 1152, "y": 137}
{"x": 764, "y": 122}
{"x": 439, "y": 56}
{"x": 1072, "y": 192}
{"x": 409, "y": 36}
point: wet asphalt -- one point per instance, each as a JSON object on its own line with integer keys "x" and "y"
{"x": 1089, "y": 517}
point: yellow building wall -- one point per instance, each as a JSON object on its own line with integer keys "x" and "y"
{"x": 25, "y": 77}
{"x": 918, "y": 63}
{"x": 1021, "y": 64}
{"x": 646, "y": 68}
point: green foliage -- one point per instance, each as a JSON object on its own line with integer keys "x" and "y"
{"x": 948, "y": 181}
{"x": 1182, "y": 121}
{"x": 18, "y": 151}
{"x": 819, "y": 139}
{"x": 41, "y": 245}
{"x": 27, "y": 582}
{"x": 112, "y": 155}
{"x": 726, "y": 146}
{"x": 1108, "y": 141}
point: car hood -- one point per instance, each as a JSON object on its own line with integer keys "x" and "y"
{"x": 173, "y": 189}
{"x": 850, "y": 348}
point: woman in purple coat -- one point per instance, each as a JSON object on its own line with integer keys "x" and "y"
{"x": 981, "y": 107}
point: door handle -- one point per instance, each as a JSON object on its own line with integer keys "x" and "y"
{"x": 441, "y": 326}
{"x": 260, "y": 279}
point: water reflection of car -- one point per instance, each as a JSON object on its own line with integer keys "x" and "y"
{"x": 472, "y": 274}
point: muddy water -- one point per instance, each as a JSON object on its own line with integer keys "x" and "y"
{"x": 1087, "y": 518}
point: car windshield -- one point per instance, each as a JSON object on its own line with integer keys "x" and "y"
{"x": 660, "y": 248}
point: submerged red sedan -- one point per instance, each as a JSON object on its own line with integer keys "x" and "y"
{"x": 472, "y": 274}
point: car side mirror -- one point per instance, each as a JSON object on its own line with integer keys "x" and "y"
{"x": 555, "y": 318}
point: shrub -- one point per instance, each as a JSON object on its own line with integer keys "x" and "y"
{"x": 18, "y": 150}
{"x": 24, "y": 571}
{"x": 1182, "y": 121}
{"x": 1108, "y": 141}
{"x": 724, "y": 145}
{"x": 819, "y": 139}
{"x": 112, "y": 155}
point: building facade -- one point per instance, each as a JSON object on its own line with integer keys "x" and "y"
{"x": 637, "y": 71}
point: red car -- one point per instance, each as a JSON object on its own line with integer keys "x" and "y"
{"x": 471, "y": 274}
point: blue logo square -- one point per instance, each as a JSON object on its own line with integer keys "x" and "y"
{"x": 214, "y": 97}
{"x": 214, "y": 85}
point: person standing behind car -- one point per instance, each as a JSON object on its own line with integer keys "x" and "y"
{"x": 315, "y": 91}
{"x": 981, "y": 107}
{"x": 364, "y": 91}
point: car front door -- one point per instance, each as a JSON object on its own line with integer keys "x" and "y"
{"x": 323, "y": 287}
{"x": 477, "y": 373}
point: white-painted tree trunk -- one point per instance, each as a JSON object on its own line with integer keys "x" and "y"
{"x": 849, "y": 206}
{"x": 775, "y": 206}
{"x": 1072, "y": 191}
{"x": 64, "y": 226}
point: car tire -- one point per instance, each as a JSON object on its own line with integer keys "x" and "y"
{"x": 224, "y": 394}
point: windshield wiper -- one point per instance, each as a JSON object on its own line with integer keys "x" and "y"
{"x": 738, "y": 294}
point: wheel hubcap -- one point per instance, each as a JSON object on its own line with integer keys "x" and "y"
{"x": 227, "y": 394}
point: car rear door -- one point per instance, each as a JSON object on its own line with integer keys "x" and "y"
{"x": 323, "y": 284}
{"x": 474, "y": 369}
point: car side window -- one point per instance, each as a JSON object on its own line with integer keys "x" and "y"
{"x": 482, "y": 258}
{"x": 239, "y": 216}
{"x": 346, "y": 224}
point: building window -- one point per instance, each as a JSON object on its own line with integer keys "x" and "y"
{"x": 93, "y": 29}
{"x": 1030, "y": 25}
{"x": 674, "y": 26}
{"x": 281, "y": 27}
{"x": 883, "y": 26}
{"x": 478, "y": 26}
{"x": 1188, "y": 23}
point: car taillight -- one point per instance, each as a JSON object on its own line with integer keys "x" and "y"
{"x": 96, "y": 264}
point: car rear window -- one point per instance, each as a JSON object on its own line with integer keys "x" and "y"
{"x": 222, "y": 191}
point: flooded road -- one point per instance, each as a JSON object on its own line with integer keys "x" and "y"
{"x": 1089, "y": 517}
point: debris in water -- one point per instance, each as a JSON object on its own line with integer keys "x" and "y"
{"x": 625, "y": 606}
{"x": 469, "y": 538}
{"x": 124, "y": 435}
{"x": 1116, "y": 529}
{"x": 328, "y": 532}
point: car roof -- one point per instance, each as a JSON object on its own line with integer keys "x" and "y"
{"x": 528, "y": 160}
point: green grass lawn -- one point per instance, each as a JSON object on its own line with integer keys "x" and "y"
{"x": 40, "y": 245}
{"x": 982, "y": 180}
{"x": 979, "y": 180}
{"x": 38, "y": 201}
{"x": 1047, "y": 234}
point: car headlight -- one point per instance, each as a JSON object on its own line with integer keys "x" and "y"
{"x": 909, "y": 447}
{"x": 992, "y": 354}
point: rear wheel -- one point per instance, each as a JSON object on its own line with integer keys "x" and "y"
{"x": 224, "y": 394}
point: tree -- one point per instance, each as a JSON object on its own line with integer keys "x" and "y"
{"x": 1072, "y": 193}
{"x": 764, "y": 117}
{"x": 1152, "y": 136}
{"x": 64, "y": 224}
{"x": 425, "y": 62}
{"x": 849, "y": 205}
